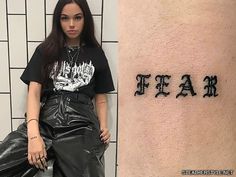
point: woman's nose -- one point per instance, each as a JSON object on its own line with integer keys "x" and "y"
{"x": 72, "y": 23}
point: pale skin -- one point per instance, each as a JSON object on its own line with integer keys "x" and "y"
{"x": 71, "y": 19}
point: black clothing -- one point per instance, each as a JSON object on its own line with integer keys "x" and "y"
{"x": 70, "y": 130}
{"x": 67, "y": 121}
{"x": 90, "y": 74}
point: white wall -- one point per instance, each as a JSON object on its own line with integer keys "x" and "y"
{"x": 25, "y": 24}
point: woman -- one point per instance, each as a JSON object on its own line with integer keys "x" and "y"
{"x": 65, "y": 73}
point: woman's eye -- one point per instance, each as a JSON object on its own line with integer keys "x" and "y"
{"x": 78, "y": 17}
{"x": 64, "y": 18}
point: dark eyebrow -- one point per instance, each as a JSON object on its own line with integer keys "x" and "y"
{"x": 74, "y": 15}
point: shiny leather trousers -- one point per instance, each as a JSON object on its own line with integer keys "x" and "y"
{"x": 70, "y": 130}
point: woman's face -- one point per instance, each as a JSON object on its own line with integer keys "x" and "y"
{"x": 72, "y": 22}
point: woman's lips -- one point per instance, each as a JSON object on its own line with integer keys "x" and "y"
{"x": 71, "y": 31}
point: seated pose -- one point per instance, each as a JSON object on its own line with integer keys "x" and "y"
{"x": 67, "y": 70}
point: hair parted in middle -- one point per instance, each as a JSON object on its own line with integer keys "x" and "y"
{"x": 53, "y": 45}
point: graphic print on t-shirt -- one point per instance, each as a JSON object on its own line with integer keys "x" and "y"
{"x": 71, "y": 78}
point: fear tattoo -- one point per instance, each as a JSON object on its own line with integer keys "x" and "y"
{"x": 187, "y": 88}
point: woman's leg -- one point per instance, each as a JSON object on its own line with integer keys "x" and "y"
{"x": 96, "y": 165}
{"x": 78, "y": 154}
{"x": 13, "y": 154}
{"x": 76, "y": 145}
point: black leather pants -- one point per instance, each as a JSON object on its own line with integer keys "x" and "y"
{"x": 70, "y": 130}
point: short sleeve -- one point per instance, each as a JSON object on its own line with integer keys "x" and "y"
{"x": 103, "y": 77}
{"x": 32, "y": 71}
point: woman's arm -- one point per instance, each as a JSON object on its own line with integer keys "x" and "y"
{"x": 36, "y": 145}
{"x": 101, "y": 108}
{"x": 33, "y": 108}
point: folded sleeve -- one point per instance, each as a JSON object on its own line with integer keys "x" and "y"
{"x": 33, "y": 70}
{"x": 103, "y": 78}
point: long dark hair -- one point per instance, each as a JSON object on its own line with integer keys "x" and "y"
{"x": 53, "y": 45}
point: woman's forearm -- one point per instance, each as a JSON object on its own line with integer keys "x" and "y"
{"x": 33, "y": 109}
{"x": 101, "y": 108}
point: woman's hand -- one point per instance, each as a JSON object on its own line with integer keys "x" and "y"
{"x": 37, "y": 154}
{"x": 105, "y": 135}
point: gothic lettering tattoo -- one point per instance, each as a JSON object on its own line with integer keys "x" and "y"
{"x": 141, "y": 85}
{"x": 162, "y": 83}
{"x": 186, "y": 87}
{"x": 211, "y": 86}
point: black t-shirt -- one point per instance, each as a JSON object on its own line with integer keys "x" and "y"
{"x": 90, "y": 74}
